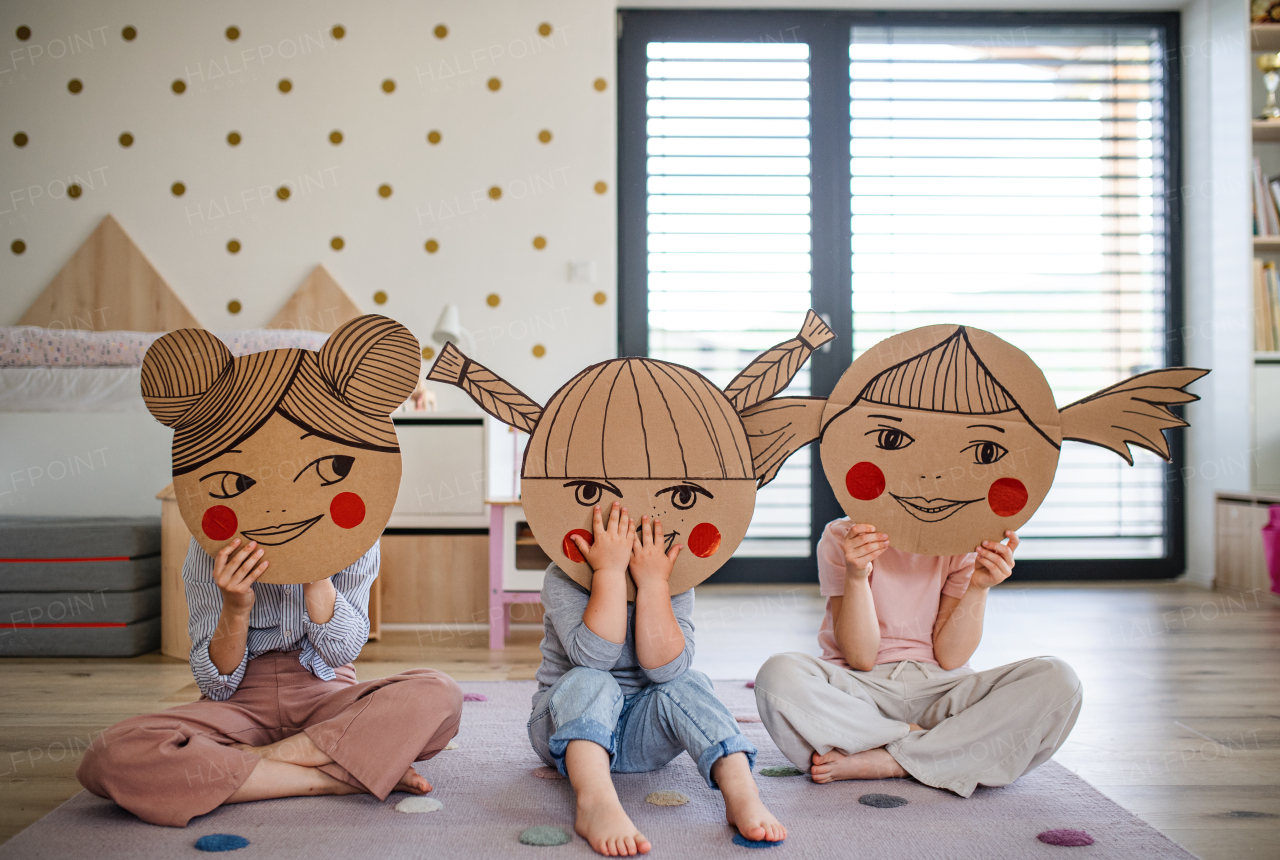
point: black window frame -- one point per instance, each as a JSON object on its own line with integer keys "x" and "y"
{"x": 827, "y": 33}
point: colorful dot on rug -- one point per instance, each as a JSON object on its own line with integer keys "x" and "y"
{"x": 544, "y": 834}
{"x": 419, "y": 804}
{"x": 474, "y": 697}
{"x": 780, "y": 771}
{"x": 1067, "y": 838}
{"x": 667, "y": 797}
{"x": 739, "y": 839}
{"x": 882, "y": 801}
{"x": 548, "y": 773}
{"x": 747, "y": 718}
{"x": 751, "y": 685}
{"x": 451, "y": 746}
{"x": 221, "y": 842}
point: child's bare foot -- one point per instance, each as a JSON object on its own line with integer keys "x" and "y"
{"x": 413, "y": 782}
{"x": 742, "y": 805}
{"x": 607, "y": 827}
{"x": 870, "y": 764}
{"x": 753, "y": 820}
{"x": 601, "y": 819}
{"x": 298, "y": 749}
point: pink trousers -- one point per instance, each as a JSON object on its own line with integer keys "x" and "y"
{"x": 169, "y": 767}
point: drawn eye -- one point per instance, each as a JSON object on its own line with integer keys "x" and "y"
{"x": 684, "y": 496}
{"x": 891, "y": 439}
{"x": 229, "y": 484}
{"x": 986, "y": 453}
{"x": 331, "y": 469}
{"x": 590, "y": 493}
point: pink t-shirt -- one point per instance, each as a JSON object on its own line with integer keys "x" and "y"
{"x": 906, "y": 589}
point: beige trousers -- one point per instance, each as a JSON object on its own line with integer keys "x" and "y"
{"x": 169, "y": 767}
{"x": 977, "y": 728}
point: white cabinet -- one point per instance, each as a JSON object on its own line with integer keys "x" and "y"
{"x": 443, "y": 477}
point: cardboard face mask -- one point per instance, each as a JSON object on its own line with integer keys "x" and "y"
{"x": 945, "y": 436}
{"x": 291, "y": 448}
{"x": 656, "y": 437}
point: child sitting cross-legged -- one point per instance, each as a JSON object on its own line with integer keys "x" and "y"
{"x": 892, "y": 695}
{"x": 616, "y": 692}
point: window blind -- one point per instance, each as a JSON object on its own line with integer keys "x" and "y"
{"x": 727, "y": 149}
{"x": 1013, "y": 180}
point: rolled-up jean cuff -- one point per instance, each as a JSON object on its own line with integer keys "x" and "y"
{"x": 581, "y": 729}
{"x": 712, "y": 754}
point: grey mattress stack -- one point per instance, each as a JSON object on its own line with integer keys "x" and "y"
{"x": 79, "y": 586}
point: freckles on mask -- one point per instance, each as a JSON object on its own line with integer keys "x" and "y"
{"x": 1007, "y": 497}
{"x": 347, "y": 510}
{"x": 864, "y": 481}
{"x": 219, "y": 522}
{"x": 571, "y": 549}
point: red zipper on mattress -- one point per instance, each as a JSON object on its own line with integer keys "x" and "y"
{"x": 53, "y": 626}
{"x": 61, "y": 560}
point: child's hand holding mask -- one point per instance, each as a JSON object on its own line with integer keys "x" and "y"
{"x": 649, "y": 564}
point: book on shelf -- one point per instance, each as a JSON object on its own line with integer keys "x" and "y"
{"x": 1266, "y": 196}
{"x": 1266, "y": 303}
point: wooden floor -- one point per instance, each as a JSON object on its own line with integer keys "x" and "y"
{"x": 1181, "y": 717}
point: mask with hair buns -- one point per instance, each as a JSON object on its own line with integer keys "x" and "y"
{"x": 292, "y": 448}
{"x": 657, "y": 437}
{"x": 945, "y": 436}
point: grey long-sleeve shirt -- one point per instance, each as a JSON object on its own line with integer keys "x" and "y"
{"x": 568, "y": 642}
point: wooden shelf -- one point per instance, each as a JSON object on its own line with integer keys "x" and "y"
{"x": 1266, "y": 131}
{"x": 1266, "y": 243}
{"x": 1266, "y": 358}
{"x": 1266, "y": 37}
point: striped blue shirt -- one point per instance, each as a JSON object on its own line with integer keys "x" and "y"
{"x": 278, "y": 621}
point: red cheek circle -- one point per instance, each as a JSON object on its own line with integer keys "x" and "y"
{"x": 704, "y": 540}
{"x": 219, "y": 522}
{"x": 571, "y": 549}
{"x": 864, "y": 481}
{"x": 347, "y": 510}
{"x": 1007, "y": 496}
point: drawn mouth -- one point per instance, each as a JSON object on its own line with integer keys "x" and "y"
{"x": 930, "y": 510}
{"x": 283, "y": 533}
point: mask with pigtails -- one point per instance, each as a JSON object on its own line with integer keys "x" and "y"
{"x": 946, "y": 436}
{"x": 657, "y": 437}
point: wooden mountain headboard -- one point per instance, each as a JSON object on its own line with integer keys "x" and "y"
{"x": 109, "y": 285}
{"x": 318, "y": 304}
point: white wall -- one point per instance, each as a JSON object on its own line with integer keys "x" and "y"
{"x": 439, "y": 192}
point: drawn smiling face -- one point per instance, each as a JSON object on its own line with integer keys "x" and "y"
{"x": 710, "y": 517}
{"x": 941, "y": 437}
{"x": 903, "y": 470}
{"x": 320, "y": 505}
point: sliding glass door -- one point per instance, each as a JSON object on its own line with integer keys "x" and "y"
{"x": 1003, "y": 171}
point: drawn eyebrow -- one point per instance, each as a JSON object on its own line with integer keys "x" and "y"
{"x": 609, "y": 485}
{"x": 988, "y": 426}
{"x": 888, "y": 417}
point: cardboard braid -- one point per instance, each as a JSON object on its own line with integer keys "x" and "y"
{"x": 772, "y": 370}
{"x": 491, "y": 392}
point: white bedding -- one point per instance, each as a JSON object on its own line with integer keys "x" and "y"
{"x": 45, "y": 370}
{"x": 71, "y": 389}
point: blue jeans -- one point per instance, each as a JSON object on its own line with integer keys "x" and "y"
{"x": 641, "y": 732}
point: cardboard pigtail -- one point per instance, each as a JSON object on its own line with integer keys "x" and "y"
{"x": 777, "y": 427}
{"x": 491, "y": 392}
{"x": 772, "y": 371}
{"x": 1132, "y": 412}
